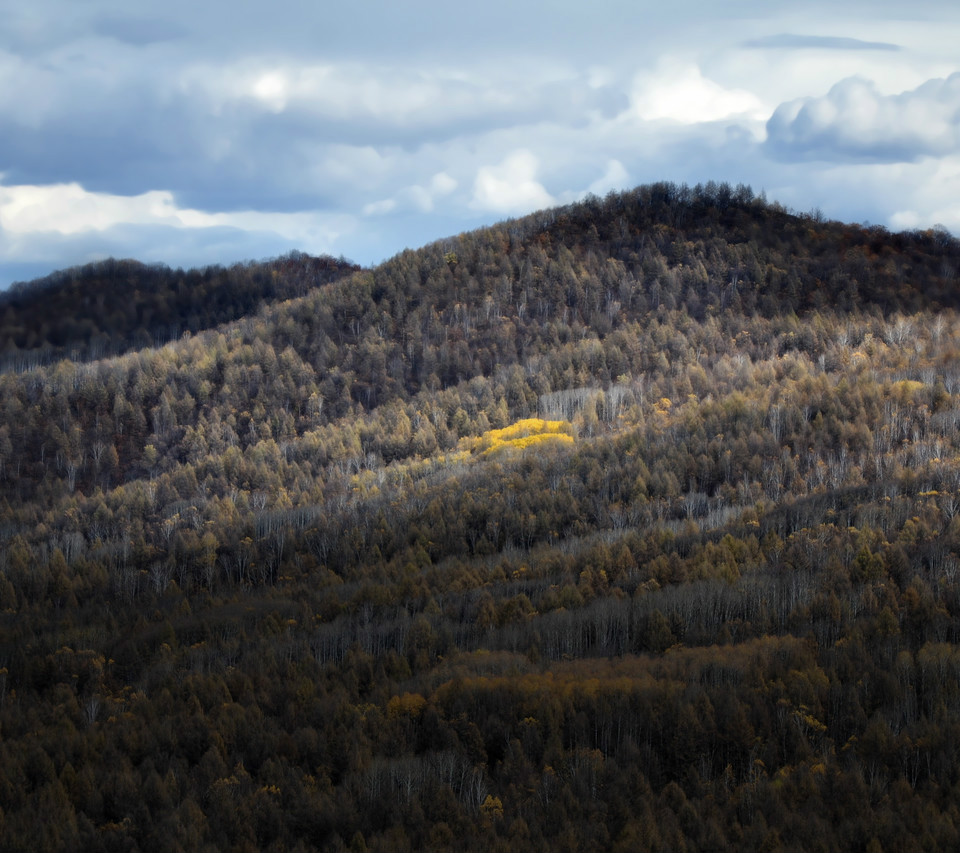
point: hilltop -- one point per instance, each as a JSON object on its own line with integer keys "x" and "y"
{"x": 109, "y": 307}
{"x": 630, "y": 525}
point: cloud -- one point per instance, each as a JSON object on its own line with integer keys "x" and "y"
{"x": 416, "y": 197}
{"x": 399, "y": 105}
{"x": 41, "y": 224}
{"x": 380, "y": 208}
{"x": 343, "y": 92}
{"x": 930, "y": 195}
{"x": 681, "y": 93}
{"x": 510, "y": 187}
{"x": 138, "y": 31}
{"x": 283, "y": 134}
{"x": 855, "y": 121}
{"x": 614, "y": 178}
{"x": 69, "y": 209}
{"x": 794, "y": 41}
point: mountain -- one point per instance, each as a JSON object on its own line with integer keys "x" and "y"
{"x": 628, "y": 525}
{"x": 111, "y": 306}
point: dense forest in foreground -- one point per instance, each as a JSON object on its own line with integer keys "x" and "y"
{"x": 631, "y": 525}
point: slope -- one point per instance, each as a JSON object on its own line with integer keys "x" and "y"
{"x": 111, "y": 306}
{"x": 305, "y": 581}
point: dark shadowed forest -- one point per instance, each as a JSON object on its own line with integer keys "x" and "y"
{"x": 631, "y": 525}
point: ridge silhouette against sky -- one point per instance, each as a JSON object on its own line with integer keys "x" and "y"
{"x": 193, "y": 132}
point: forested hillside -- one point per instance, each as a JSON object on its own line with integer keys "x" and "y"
{"x": 109, "y": 307}
{"x": 631, "y": 525}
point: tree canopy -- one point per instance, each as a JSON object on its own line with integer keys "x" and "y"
{"x": 630, "y": 525}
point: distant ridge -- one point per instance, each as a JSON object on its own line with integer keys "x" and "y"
{"x": 110, "y": 306}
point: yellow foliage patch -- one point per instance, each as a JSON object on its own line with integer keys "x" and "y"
{"x": 527, "y": 427}
{"x": 408, "y": 705}
{"x": 907, "y": 388}
{"x": 530, "y": 440}
{"x": 522, "y": 434}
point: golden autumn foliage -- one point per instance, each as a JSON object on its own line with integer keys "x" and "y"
{"x": 527, "y": 432}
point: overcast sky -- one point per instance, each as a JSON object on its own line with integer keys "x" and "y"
{"x": 193, "y": 132}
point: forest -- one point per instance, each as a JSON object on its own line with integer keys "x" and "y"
{"x": 630, "y": 525}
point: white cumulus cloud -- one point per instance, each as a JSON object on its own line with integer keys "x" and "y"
{"x": 854, "y": 120}
{"x": 30, "y": 215}
{"x": 681, "y": 93}
{"x": 70, "y": 209}
{"x": 511, "y": 186}
{"x": 614, "y": 178}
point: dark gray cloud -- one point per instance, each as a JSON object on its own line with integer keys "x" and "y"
{"x": 795, "y": 41}
{"x": 250, "y": 134}
{"x": 855, "y": 121}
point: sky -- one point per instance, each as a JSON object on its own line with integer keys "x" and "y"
{"x": 197, "y": 132}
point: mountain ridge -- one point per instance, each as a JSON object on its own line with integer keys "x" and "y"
{"x": 108, "y": 307}
{"x": 628, "y": 525}
{"x": 668, "y": 206}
